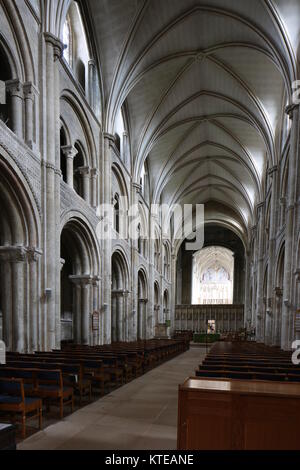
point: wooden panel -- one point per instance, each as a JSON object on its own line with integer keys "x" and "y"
{"x": 240, "y": 415}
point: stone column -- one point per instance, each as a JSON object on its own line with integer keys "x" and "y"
{"x": 135, "y": 191}
{"x": 277, "y": 317}
{"x": 29, "y": 91}
{"x": 77, "y": 314}
{"x": 106, "y": 233}
{"x": 83, "y": 311}
{"x": 94, "y": 181}
{"x": 287, "y": 312}
{"x": 113, "y": 316}
{"x": 85, "y": 173}
{"x": 91, "y": 82}
{"x": 173, "y": 292}
{"x": 125, "y": 148}
{"x": 272, "y": 245}
{"x": 53, "y": 50}
{"x": 15, "y": 89}
{"x": 260, "y": 275}
{"x": 69, "y": 153}
{"x": 33, "y": 327}
{"x": 120, "y": 316}
{"x": 85, "y": 317}
{"x": 6, "y": 303}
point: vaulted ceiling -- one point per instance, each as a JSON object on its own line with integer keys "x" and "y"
{"x": 205, "y": 84}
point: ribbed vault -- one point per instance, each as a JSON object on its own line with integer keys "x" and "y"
{"x": 204, "y": 84}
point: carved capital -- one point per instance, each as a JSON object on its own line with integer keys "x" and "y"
{"x": 69, "y": 151}
{"x": 15, "y": 88}
{"x": 278, "y": 291}
{"x": 297, "y": 274}
{"x": 82, "y": 281}
{"x": 13, "y": 254}
{"x": 272, "y": 170}
{"x": 57, "y": 45}
{"x": 289, "y": 110}
{"x": 110, "y": 138}
{"x": 137, "y": 187}
{"x": 30, "y": 91}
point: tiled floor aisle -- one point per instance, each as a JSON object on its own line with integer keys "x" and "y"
{"x": 140, "y": 415}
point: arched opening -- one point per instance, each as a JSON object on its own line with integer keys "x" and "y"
{"x": 166, "y": 262}
{"x": 142, "y": 306}
{"x": 166, "y": 306}
{"x": 76, "y": 51}
{"x": 78, "y": 167}
{"x": 119, "y": 323}
{"x": 118, "y": 142}
{"x": 68, "y": 41}
{"x": 116, "y": 204}
{"x": 5, "y": 101}
{"x": 278, "y": 297}
{"x": 81, "y": 74}
{"x": 63, "y": 162}
{"x": 139, "y": 240}
{"x": 156, "y": 303}
{"x": 120, "y": 202}
{"x": 213, "y": 269}
{"x": 156, "y": 253}
{"x": 78, "y": 281}
{"x": 19, "y": 290}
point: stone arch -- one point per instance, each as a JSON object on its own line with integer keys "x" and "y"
{"x": 119, "y": 297}
{"x": 79, "y": 280}
{"x": 142, "y": 292}
{"x": 19, "y": 260}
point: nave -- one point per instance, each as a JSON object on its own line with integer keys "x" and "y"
{"x": 140, "y": 415}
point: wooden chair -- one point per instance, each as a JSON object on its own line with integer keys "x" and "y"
{"x": 13, "y": 400}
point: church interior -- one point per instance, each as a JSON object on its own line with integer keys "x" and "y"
{"x": 119, "y": 119}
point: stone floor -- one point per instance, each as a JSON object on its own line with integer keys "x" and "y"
{"x": 140, "y": 415}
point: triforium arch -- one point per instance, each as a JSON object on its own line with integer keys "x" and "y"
{"x": 20, "y": 322}
{"x": 142, "y": 317}
{"x": 80, "y": 273}
{"x": 119, "y": 297}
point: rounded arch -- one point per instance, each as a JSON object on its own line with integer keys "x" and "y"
{"x": 12, "y": 62}
{"x": 22, "y": 209}
{"x": 119, "y": 257}
{"x": 142, "y": 300}
{"x": 19, "y": 245}
{"x": 79, "y": 274}
{"x": 23, "y": 59}
{"x": 90, "y": 149}
{"x": 119, "y": 291}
